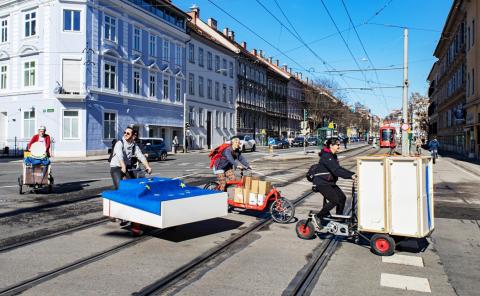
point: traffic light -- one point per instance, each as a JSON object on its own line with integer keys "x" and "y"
{"x": 305, "y": 114}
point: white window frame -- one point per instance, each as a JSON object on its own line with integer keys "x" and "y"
{"x": 230, "y": 69}
{"x": 103, "y": 123}
{"x": 137, "y": 81}
{"x": 224, "y": 92}
{"x": 209, "y": 60}
{"x": 4, "y": 29}
{"x": 23, "y": 123}
{"x": 152, "y": 45}
{"x": 166, "y": 94}
{"x": 112, "y": 23}
{"x": 152, "y": 91}
{"x": 31, "y": 23}
{"x": 201, "y": 116}
{"x": 29, "y": 69}
{"x": 224, "y": 117}
{"x": 115, "y": 85}
{"x": 137, "y": 39}
{"x": 232, "y": 118}
{"x": 217, "y": 64}
{"x": 191, "y": 84}
{"x": 78, "y": 124}
{"x": 191, "y": 116}
{"x": 178, "y": 91}
{"x": 178, "y": 56}
{"x": 201, "y": 86}
{"x": 217, "y": 91}
{"x": 230, "y": 94}
{"x": 209, "y": 89}
{"x": 191, "y": 53}
{"x": 3, "y": 77}
{"x": 201, "y": 57}
{"x": 166, "y": 50}
{"x": 72, "y": 19}
{"x": 224, "y": 64}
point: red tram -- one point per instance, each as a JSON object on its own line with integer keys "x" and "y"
{"x": 387, "y": 136}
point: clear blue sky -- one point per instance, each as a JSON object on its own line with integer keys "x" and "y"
{"x": 384, "y": 45}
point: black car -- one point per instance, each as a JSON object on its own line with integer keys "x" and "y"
{"x": 154, "y": 149}
{"x": 278, "y": 143}
{"x": 298, "y": 142}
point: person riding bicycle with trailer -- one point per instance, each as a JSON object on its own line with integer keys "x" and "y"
{"x": 227, "y": 161}
{"x": 123, "y": 152}
{"x": 324, "y": 176}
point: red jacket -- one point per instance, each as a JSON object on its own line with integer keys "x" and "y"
{"x": 47, "y": 143}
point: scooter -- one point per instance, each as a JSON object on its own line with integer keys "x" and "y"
{"x": 345, "y": 226}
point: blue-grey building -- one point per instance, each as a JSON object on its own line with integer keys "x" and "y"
{"x": 86, "y": 69}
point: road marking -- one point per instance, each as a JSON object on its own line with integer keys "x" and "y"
{"x": 184, "y": 164}
{"x": 403, "y": 282}
{"x": 461, "y": 168}
{"x": 403, "y": 259}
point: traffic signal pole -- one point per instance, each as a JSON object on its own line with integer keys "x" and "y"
{"x": 405, "y": 146}
{"x": 305, "y": 136}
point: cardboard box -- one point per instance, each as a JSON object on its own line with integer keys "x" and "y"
{"x": 246, "y": 196}
{"x": 254, "y": 187}
{"x": 260, "y": 199}
{"x": 238, "y": 197}
{"x": 36, "y": 175}
{"x": 264, "y": 187}
{"x": 247, "y": 182}
{"x": 253, "y": 199}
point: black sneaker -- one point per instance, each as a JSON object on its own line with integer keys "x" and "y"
{"x": 124, "y": 223}
{"x": 318, "y": 221}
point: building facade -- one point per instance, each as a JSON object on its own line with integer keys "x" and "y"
{"x": 295, "y": 104}
{"x": 472, "y": 106}
{"x": 448, "y": 82}
{"x": 88, "y": 69}
{"x": 211, "y": 91}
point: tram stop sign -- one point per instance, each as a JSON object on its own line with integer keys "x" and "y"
{"x": 405, "y": 126}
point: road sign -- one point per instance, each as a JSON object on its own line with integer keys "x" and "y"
{"x": 405, "y": 126}
{"x": 330, "y": 125}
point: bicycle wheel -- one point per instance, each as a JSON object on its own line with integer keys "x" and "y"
{"x": 211, "y": 186}
{"x": 282, "y": 210}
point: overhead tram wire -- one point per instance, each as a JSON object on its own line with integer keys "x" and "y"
{"x": 298, "y": 37}
{"x": 344, "y": 41}
{"x": 258, "y": 35}
{"x": 366, "y": 53}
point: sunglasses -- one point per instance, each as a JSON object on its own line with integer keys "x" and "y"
{"x": 127, "y": 133}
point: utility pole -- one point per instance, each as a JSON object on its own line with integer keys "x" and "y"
{"x": 405, "y": 146}
{"x": 185, "y": 123}
{"x": 305, "y": 127}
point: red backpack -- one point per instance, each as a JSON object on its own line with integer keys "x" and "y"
{"x": 217, "y": 153}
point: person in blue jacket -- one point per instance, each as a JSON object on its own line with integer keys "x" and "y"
{"x": 228, "y": 161}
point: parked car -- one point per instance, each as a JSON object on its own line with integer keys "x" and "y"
{"x": 298, "y": 142}
{"x": 313, "y": 141}
{"x": 278, "y": 143}
{"x": 247, "y": 143}
{"x": 153, "y": 148}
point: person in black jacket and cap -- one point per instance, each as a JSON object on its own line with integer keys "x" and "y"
{"x": 324, "y": 176}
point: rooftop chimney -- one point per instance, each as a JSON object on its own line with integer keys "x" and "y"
{"x": 290, "y": 71}
{"x": 231, "y": 35}
{"x": 244, "y": 45}
{"x": 212, "y": 23}
{"x": 261, "y": 53}
{"x": 225, "y": 32}
{"x": 254, "y": 52}
{"x": 285, "y": 68}
{"x": 276, "y": 63}
{"x": 195, "y": 11}
{"x": 300, "y": 75}
{"x": 270, "y": 59}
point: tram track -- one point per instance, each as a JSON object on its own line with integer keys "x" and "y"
{"x": 158, "y": 286}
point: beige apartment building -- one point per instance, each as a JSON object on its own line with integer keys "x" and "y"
{"x": 448, "y": 81}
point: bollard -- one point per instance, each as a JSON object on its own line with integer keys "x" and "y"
{"x": 270, "y": 149}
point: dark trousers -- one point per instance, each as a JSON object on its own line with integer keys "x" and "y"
{"x": 334, "y": 197}
{"x": 117, "y": 175}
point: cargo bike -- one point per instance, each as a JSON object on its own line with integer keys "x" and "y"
{"x": 392, "y": 200}
{"x": 36, "y": 170}
{"x": 257, "y": 195}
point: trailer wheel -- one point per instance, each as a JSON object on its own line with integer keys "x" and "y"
{"x": 282, "y": 210}
{"x": 211, "y": 186}
{"x": 136, "y": 229}
{"x": 20, "y": 184}
{"x": 305, "y": 229}
{"x": 382, "y": 244}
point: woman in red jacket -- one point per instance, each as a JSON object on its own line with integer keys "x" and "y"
{"x": 41, "y": 137}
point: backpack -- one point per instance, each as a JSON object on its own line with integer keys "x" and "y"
{"x": 217, "y": 153}
{"x": 114, "y": 142}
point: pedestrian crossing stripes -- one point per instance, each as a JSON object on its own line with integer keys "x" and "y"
{"x": 404, "y": 282}
{"x": 404, "y": 260}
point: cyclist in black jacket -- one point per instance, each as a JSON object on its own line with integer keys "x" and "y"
{"x": 324, "y": 176}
